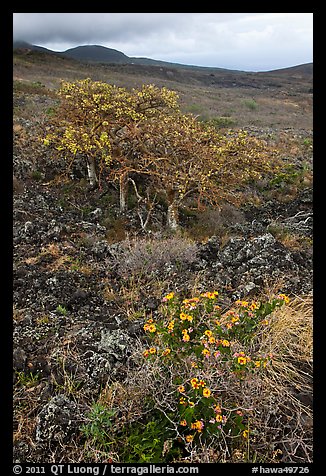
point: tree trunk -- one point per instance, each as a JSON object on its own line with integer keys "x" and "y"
{"x": 123, "y": 192}
{"x": 173, "y": 216}
{"x": 91, "y": 169}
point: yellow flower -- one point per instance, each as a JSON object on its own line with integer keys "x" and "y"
{"x": 191, "y": 404}
{"x": 212, "y": 340}
{"x": 219, "y": 418}
{"x": 182, "y": 401}
{"x": 181, "y": 389}
{"x": 202, "y": 383}
{"x": 183, "y": 423}
{"x": 189, "y": 438}
{"x": 194, "y": 383}
{"x": 206, "y": 352}
{"x": 146, "y": 353}
{"x": 210, "y": 295}
{"x": 257, "y": 363}
{"x": 152, "y": 328}
{"x": 225, "y": 343}
{"x": 242, "y": 360}
{"x": 186, "y": 337}
{"x": 206, "y": 392}
{"x": 245, "y": 434}
{"x": 284, "y": 298}
{"x": 152, "y": 350}
{"x": 254, "y": 305}
{"x": 147, "y": 324}
{"x": 208, "y": 333}
{"x": 183, "y": 316}
{"x": 168, "y": 297}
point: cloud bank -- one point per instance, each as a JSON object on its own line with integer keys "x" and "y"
{"x": 248, "y": 41}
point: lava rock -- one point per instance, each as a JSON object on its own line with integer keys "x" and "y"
{"x": 58, "y": 420}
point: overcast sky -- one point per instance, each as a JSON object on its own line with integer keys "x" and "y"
{"x": 244, "y": 41}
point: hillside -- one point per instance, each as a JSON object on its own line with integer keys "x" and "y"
{"x": 94, "y": 291}
{"x": 98, "y": 54}
{"x": 101, "y": 54}
{"x": 278, "y": 99}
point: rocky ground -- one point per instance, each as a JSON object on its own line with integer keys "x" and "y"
{"x": 78, "y": 307}
{"x": 85, "y": 281}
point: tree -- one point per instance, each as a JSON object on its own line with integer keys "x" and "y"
{"x": 141, "y": 136}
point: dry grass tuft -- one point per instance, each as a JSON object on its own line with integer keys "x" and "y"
{"x": 283, "y": 424}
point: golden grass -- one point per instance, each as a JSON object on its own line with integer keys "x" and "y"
{"x": 290, "y": 339}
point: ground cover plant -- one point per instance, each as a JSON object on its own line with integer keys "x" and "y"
{"x": 201, "y": 377}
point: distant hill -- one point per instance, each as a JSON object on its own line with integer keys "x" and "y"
{"x": 23, "y": 45}
{"x": 97, "y": 54}
{"x": 101, "y": 54}
{"x": 301, "y": 69}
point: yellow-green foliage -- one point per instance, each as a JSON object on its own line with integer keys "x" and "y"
{"x": 93, "y": 116}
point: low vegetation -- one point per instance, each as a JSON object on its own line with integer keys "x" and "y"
{"x": 203, "y": 387}
{"x": 162, "y": 249}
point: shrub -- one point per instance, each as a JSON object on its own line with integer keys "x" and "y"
{"x": 251, "y": 104}
{"x": 145, "y": 257}
{"x": 197, "y": 346}
{"x": 214, "y": 385}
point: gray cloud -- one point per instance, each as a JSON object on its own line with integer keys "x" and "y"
{"x": 250, "y": 41}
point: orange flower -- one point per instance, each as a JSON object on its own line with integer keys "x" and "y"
{"x": 206, "y": 392}
{"x": 198, "y": 425}
{"x": 189, "y": 438}
{"x": 166, "y": 352}
{"x": 183, "y": 423}
{"x": 181, "y": 389}
{"x": 194, "y": 383}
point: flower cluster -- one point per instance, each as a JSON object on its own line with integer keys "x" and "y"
{"x": 195, "y": 330}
